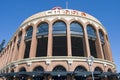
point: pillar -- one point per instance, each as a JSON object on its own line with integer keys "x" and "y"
{"x": 22, "y": 46}
{"x": 50, "y": 40}
{"x": 69, "y": 49}
{"x": 15, "y": 52}
{"x": 11, "y": 51}
{"x": 33, "y": 43}
{"x": 99, "y": 46}
{"x": 108, "y": 53}
{"x": 87, "y": 49}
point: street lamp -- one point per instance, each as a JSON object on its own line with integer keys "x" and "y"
{"x": 90, "y": 61}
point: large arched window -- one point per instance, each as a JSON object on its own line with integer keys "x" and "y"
{"x": 29, "y": 32}
{"x": 91, "y": 32}
{"x": 76, "y": 39}
{"x": 76, "y": 28}
{"x": 101, "y": 35}
{"x": 59, "y": 27}
{"x": 28, "y": 37}
{"x": 59, "y": 42}
{"x": 92, "y": 40}
{"x": 42, "y": 40}
{"x": 42, "y": 29}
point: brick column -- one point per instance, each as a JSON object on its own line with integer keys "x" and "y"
{"x": 87, "y": 49}
{"x": 11, "y": 52}
{"x": 107, "y": 49}
{"x": 69, "y": 49}
{"x": 33, "y": 43}
{"x": 22, "y": 46}
{"x": 8, "y": 54}
{"x": 15, "y": 52}
{"x": 50, "y": 40}
{"x": 99, "y": 46}
{"x": 3, "y": 59}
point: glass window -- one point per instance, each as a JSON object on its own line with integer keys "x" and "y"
{"x": 29, "y": 32}
{"x": 59, "y": 27}
{"x": 42, "y": 47}
{"x": 101, "y": 35}
{"x": 59, "y": 69}
{"x": 76, "y": 28}
{"x": 43, "y": 28}
{"x": 38, "y": 71}
{"x": 59, "y": 46}
{"x": 80, "y": 69}
{"x": 27, "y": 49}
{"x": 38, "y": 68}
{"x": 98, "y": 69}
{"x": 91, "y": 32}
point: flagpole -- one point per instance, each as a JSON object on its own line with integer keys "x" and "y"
{"x": 66, "y": 4}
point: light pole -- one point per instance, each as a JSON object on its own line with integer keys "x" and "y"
{"x": 90, "y": 61}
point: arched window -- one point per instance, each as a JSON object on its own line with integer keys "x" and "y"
{"x": 109, "y": 70}
{"x": 38, "y": 68}
{"x": 19, "y": 38}
{"x": 28, "y": 37}
{"x": 80, "y": 69}
{"x": 38, "y": 73}
{"x": 59, "y": 42}
{"x": 12, "y": 70}
{"x": 29, "y": 32}
{"x": 59, "y": 27}
{"x": 23, "y": 77}
{"x": 101, "y": 36}
{"x": 22, "y": 69}
{"x": 76, "y": 28}
{"x": 91, "y": 32}
{"x": 98, "y": 69}
{"x": 78, "y": 73}
{"x": 59, "y": 73}
{"x": 92, "y": 40}
{"x": 59, "y": 69}
{"x": 42, "y": 29}
{"x": 42, "y": 41}
{"x": 77, "y": 41}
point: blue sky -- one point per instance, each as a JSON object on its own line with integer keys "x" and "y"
{"x": 14, "y": 12}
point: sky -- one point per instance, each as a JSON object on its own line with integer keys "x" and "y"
{"x": 14, "y": 12}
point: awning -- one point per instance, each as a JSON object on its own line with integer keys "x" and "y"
{"x": 58, "y": 73}
{"x": 46, "y": 73}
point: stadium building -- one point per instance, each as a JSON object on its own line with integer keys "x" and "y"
{"x": 58, "y": 44}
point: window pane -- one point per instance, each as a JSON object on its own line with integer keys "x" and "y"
{"x": 76, "y": 28}
{"x": 91, "y": 32}
{"x": 101, "y": 36}
{"x": 59, "y": 27}
{"x": 43, "y": 29}
{"x": 29, "y": 32}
